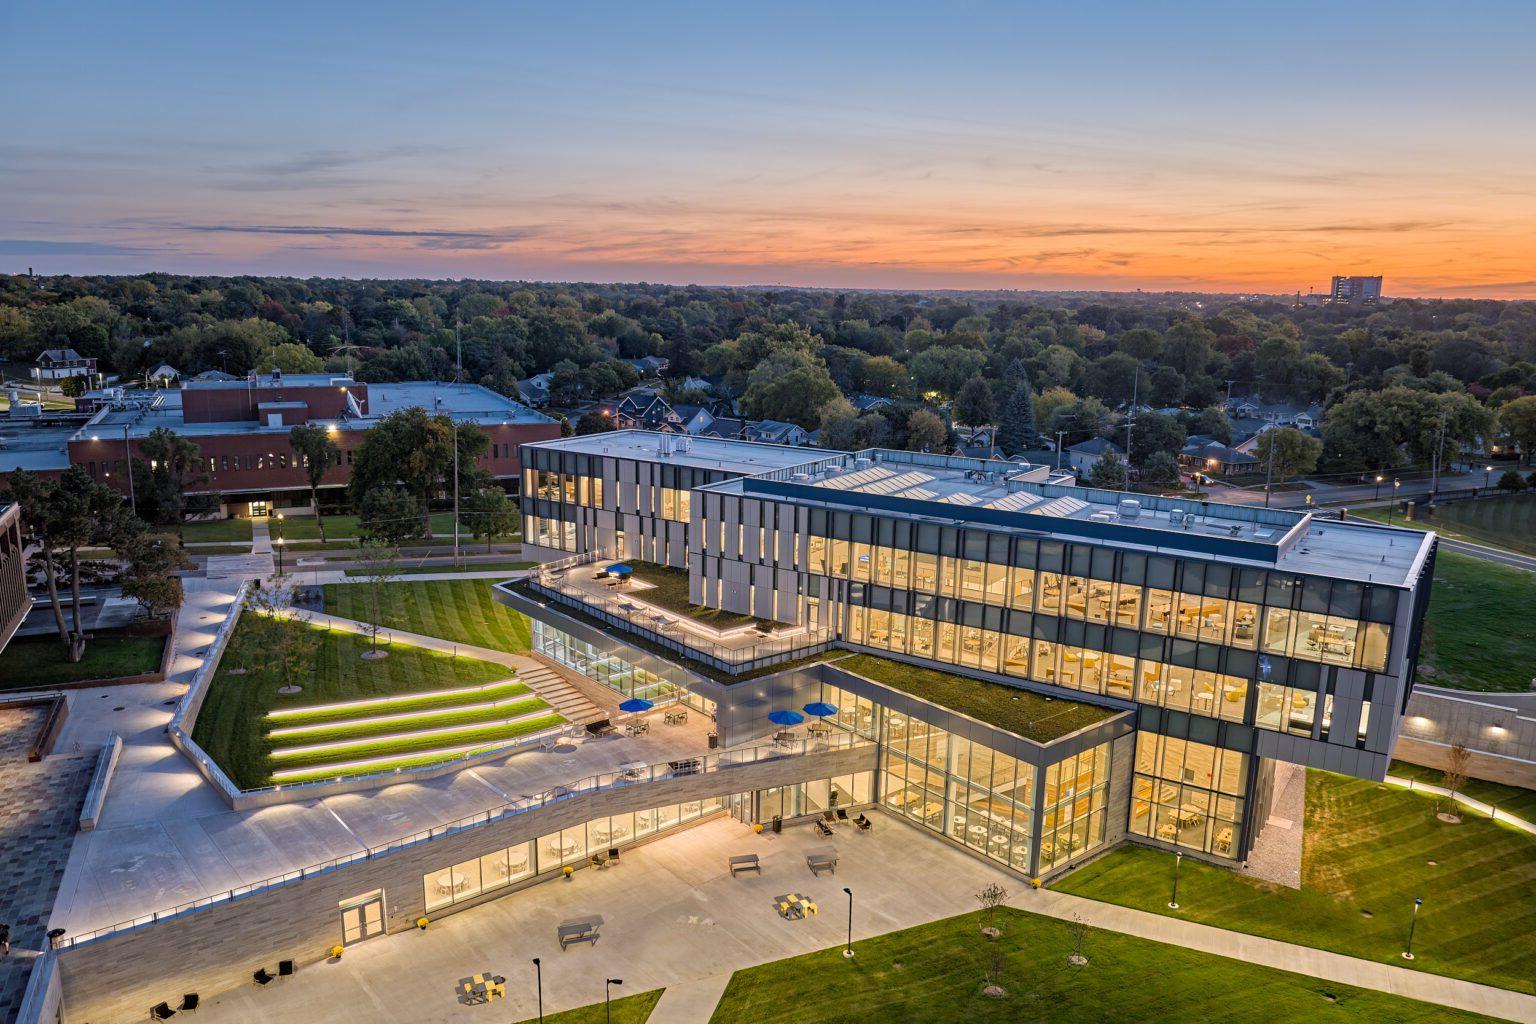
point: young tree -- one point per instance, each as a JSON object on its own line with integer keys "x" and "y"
{"x": 381, "y": 567}
{"x": 1017, "y": 430}
{"x": 490, "y": 514}
{"x": 317, "y": 452}
{"x": 1511, "y": 481}
{"x": 1108, "y": 473}
{"x": 1294, "y": 452}
{"x": 926, "y": 432}
{"x": 162, "y": 486}
{"x": 1458, "y": 761}
{"x": 289, "y": 642}
{"x": 991, "y": 897}
{"x": 149, "y": 574}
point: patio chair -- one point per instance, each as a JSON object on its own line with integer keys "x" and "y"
{"x": 262, "y": 977}
{"x": 161, "y": 1011}
{"x": 188, "y": 1003}
{"x": 842, "y": 814}
{"x": 285, "y": 968}
{"x": 863, "y": 822}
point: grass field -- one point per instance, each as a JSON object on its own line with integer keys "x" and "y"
{"x": 465, "y": 611}
{"x": 1508, "y": 521}
{"x": 1519, "y": 802}
{"x": 300, "y": 528}
{"x": 421, "y": 570}
{"x": 234, "y": 724}
{"x": 1369, "y": 851}
{"x": 29, "y": 663}
{"x": 1479, "y": 633}
{"x": 934, "y": 974}
{"x": 668, "y": 588}
{"x": 634, "y": 1009}
{"x": 217, "y": 530}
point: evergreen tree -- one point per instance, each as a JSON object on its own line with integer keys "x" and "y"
{"x": 1017, "y": 430}
{"x": 974, "y": 405}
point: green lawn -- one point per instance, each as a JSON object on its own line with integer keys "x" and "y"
{"x": 1021, "y": 712}
{"x": 1366, "y": 852}
{"x": 1508, "y": 521}
{"x": 28, "y": 663}
{"x": 217, "y": 530}
{"x": 1519, "y": 802}
{"x": 308, "y": 527}
{"x": 421, "y": 570}
{"x": 395, "y": 721}
{"x": 669, "y": 589}
{"x": 465, "y": 611}
{"x": 934, "y": 974}
{"x": 232, "y": 726}
{"x": 1479, "y": 633}
{"x": 477, "y": 736}
{"x": 634, "y": 1009}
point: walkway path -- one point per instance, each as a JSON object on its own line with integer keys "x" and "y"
{"x": 1488, "y": 554}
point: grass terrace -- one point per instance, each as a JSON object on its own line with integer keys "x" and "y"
{"x": 934, "y": 974}
{"x": 462, "y": 611}
{"x": 221, "y": 530}
{"x": 354, "y": 716}
{"x": 634, "y": 1009}
{"x": 1021, "y": 712}
{"x": 668, "y": 588}
{"x": 421, "y": 570}
{"x": 1479, "y": 633}
{"x": 1507, "y": 521}
{"x": 31, "y": 662}
{"x": 1370, "y": 849}
{"x": 1519, "y": 802}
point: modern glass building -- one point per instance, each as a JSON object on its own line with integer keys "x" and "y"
{"x": 1221, "y": 639}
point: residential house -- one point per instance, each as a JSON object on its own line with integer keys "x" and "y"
{"x": 776, "y": 432}
{"x": 645, "y": 409}
{"x": 212, "y": 375}
{"x": 61, "y": 364}
{"x": 869, "y": 403}
{"x": 650, "y": 366}
{"x": 1211, "y": 457}
{"x": 165, "y": 375}
{"x": 534, "y": 392}
{"x": 1085, "y": 455}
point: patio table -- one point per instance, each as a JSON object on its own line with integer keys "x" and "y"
{"x": 483, "y": 987}
{"x": 792, "y": 906}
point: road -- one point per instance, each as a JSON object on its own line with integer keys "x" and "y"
{"x": 1347, "y": 494}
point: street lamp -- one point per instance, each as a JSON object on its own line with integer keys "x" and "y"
{"x": 1487, "y": 476}
{"x": 1378, "y": 488}
{"x": 1408, "y": 953}
{"x": 279, "y": 556}
{"x": 1396, "y": 483}
{"x": 1173, "y": 903}
{"x": 538, "y": 976}
{"x": 608, "y": 996}
{"x": 848, "y": 949}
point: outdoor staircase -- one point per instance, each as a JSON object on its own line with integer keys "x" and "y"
{"x": 559, "y": 694}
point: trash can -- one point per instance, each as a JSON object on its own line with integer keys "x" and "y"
{"x": 714, "y": 740}
{"x": 778, "y": 824}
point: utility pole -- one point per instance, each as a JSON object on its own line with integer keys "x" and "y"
{"x": 1130, "y": 420}
{"x": 1229, "y": 391}
{"x": 1434, "y": 483}
{"x": 458, "y": 370}
{"x": 1269, "y": 465}
{"x": 1059, "y": 435}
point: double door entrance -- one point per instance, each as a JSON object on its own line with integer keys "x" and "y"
{"x": 362, "y": 918}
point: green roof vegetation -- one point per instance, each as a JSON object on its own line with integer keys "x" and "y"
{"x": 463, "y": 611}
{"x": 1479, "y": 633}
{"x": 1369, "y": 849}
{"x": 1021, "y": 712}
{"x": 935, "y": 973}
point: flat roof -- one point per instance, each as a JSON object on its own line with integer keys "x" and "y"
{"x": 990, "y": 492}
{"x": 26, "y": 445}
{"x": 265, "y": 380}
{"x": 745, "y": 457}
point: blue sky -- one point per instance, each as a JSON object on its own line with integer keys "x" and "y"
{"x": 1114, "y": 145}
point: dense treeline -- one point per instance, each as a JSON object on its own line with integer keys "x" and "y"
{"x": 1037, "y": 362}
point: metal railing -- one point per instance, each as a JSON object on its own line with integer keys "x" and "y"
{"x": 680, "y": 767}
{"x": 551, "y": 580}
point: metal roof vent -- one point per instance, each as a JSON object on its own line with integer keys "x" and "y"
{"x": 1129, "y": 508}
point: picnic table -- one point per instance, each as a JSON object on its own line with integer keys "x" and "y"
{"x": 483, "y": 987}
{"x": 792, "y": 906}
{"x": 677, "y": 717}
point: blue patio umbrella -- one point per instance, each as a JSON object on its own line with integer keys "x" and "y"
{"x": 821, "y": 709}
{"x": 618, "y": 570}
{"x": 785, "y": 717}
{"x": 635, "y": 705}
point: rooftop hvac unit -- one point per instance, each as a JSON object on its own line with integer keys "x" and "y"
{"x": 1103, "y": 517}
{"x": 1189, "y": 520}
{"x": 800, "y": 478}
{"x": 1175, "y": 514}
{"x": 861, "y": 463}
{"x": 685, "y": 443}
{"x": 833, "y": 471}
{"x": 1129, "y": 508}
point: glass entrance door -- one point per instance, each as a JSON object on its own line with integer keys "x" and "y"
{"x": 258, "y": 510}
{"x": 362, "y": 918}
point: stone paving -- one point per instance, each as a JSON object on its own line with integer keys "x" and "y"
{"x": 39, "y": 816}
{"x": 1276, "y": 857}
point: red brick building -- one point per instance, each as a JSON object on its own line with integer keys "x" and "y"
{"x": 14, "y": 600}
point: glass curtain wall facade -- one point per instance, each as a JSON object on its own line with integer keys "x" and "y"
{"x": 611, "y": 670}
{"x": 814, "y": 797}
{"x": 1188, "y": 793}
{"x": 1076, "y": 794}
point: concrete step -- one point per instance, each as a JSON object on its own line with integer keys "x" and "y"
{"x": 561, "y": 695}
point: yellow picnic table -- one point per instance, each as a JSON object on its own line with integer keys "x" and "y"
{"x": 793, "y": 906}
{"x": 483, "y": 987}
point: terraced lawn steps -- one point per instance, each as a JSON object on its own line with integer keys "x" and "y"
{"x": 405, "y": 701}
{"x": 461, "y": 611}
{"x": 350, "y": 759}
{"x": 434, "y": 716}
{"x": 434, "y": 755}
{"x": 345, "y": 739}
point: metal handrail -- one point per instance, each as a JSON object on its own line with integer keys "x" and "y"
{"x": 680, "y": 767}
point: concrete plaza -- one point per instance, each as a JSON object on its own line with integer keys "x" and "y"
{"x": 673, "y": 917}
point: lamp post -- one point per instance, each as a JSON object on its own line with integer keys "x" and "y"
{"x": 1378, "y": 488}
{"x": 538, "y": 981}
{"x": 1487, "y": 476}
{"x": 608, "y": 996}
{"x": 848, "y": 948}
{"x": 1408, "y": 953}
{"x": 1396, "y": 483}
{"x": 1173, "y": 902}
{"x": 279, "y": 544}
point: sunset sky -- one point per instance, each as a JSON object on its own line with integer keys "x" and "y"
{"x": 1188, "y": 146}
